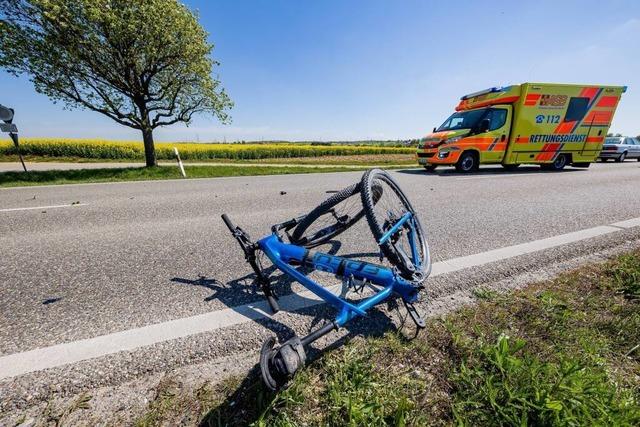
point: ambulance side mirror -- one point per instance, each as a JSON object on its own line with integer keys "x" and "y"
{"x": 434, "y": 129}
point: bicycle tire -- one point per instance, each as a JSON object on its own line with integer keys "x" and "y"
{"x": 298, "y": 236}
{"x": 376, "y": 178}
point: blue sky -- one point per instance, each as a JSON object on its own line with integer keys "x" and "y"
{"x": 323, "y": 70}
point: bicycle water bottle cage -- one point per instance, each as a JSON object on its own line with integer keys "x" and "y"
{"x": 357, "y": 285}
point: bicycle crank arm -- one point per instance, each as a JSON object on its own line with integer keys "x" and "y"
{"x": 415, "y": 316}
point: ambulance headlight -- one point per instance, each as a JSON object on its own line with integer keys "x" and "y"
{"x": 443, "y": 154}
{"x": 454, "y": 139}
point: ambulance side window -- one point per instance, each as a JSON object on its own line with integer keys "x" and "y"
{"x": 498, "y": 118}
{"x": 577, "y": 109}
{"x": 456, "y": 122}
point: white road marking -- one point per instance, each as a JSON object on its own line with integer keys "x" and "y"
{"x": 633, "y": 222}
{"x": 512, "y": 251}
{"x": 38, "y": 359}
{"x": 43, "y": 207}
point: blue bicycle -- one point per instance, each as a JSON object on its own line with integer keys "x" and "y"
{"x": 398, "y": 233}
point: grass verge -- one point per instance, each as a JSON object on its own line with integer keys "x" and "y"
{"x": 13, "y": 179}
{"x": 346, "y": 160}
{"x": 563, "y": 352}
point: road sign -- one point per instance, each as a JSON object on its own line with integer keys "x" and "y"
{"x": 6, "y": 114}
{"x": 8, "y": 127}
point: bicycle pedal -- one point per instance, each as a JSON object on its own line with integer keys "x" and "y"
{"x": 415, "y": 316}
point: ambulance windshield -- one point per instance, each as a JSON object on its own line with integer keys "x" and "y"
{"x": 462, "y": 120}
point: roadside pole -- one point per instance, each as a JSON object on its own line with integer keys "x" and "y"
{"x": 175, "y": 150}
{"x": 14, "y": 137}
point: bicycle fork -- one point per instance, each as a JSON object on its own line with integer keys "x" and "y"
{"x": 249, "y": 248}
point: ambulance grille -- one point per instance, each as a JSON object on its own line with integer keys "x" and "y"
{"x": 425, "y": 155}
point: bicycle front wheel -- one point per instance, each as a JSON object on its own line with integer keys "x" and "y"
{"x": 395, "y": 225}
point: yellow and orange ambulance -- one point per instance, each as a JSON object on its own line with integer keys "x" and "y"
{"x": 549, "y": 124}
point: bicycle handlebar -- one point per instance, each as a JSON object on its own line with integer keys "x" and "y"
{"x": 227, "y": 221}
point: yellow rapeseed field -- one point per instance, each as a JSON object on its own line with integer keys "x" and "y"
{"x": 129, "y": 150}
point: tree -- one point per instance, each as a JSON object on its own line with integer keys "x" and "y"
{"x": 142, "y": 63}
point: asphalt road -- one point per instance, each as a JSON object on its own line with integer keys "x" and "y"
{"x": 118, "y": 256}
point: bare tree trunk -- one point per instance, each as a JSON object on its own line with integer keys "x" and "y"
{"x": 149, "y": 147}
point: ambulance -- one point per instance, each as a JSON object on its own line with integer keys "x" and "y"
{"x": 553, "y": 125}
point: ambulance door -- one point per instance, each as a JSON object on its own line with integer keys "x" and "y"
{"x": 497, "y": 137}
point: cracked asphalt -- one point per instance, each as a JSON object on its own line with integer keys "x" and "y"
{"x": 140, "y": 253}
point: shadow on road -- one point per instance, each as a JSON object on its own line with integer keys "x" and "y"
{"x": 243, "y": 295}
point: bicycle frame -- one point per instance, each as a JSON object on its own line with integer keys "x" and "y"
{"x": 278, "y": 364}
{"x": 283, "y": 255}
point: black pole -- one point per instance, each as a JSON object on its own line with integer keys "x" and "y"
{"x": 14, "y": 137}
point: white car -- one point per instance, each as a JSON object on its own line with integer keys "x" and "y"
{"x": 620, "y": 148}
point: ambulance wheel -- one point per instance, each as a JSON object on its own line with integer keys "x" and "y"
{"x": 558, "y": 164}
{"x": 511, "y": 167}
{"x": 430, "y": 168}
{"x": 622, "y": 157}
{"x": 468, "y": 162}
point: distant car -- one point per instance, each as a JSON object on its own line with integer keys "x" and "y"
{"x": 620, "y": 148}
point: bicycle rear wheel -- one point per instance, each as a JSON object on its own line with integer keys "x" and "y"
{"x": 333, "y": 216}
{"x": 395, "y": 225}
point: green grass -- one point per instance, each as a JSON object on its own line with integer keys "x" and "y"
{"x": 558, "y": 353}
{"x": 484, "y": 293}
{"x": 627, "y": 276}
{"x": 13, "y": 179}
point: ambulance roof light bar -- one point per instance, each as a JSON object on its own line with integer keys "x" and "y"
{"x": 483, "y": 92}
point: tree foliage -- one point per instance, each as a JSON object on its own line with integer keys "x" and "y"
{"x": 143, "y": 63}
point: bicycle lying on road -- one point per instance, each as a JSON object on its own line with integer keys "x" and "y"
{"x": 398, "y": 233}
